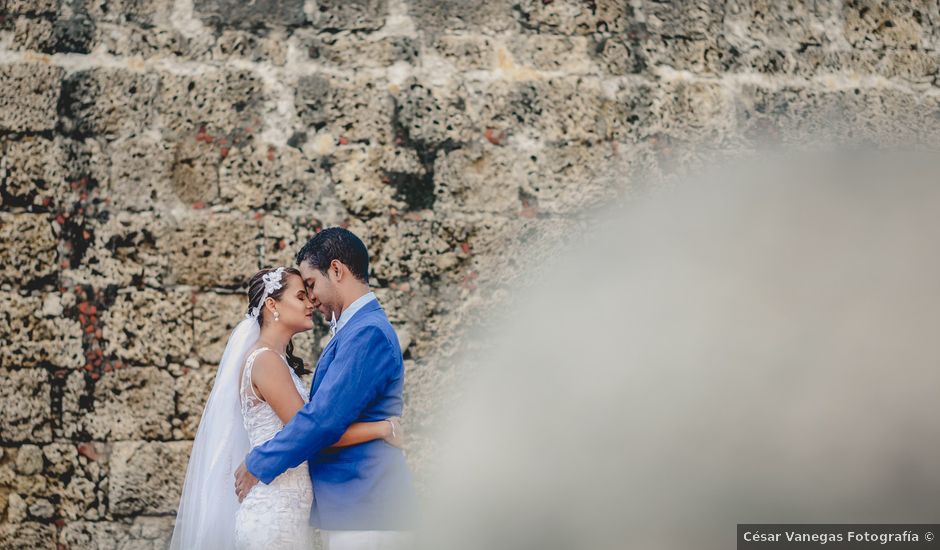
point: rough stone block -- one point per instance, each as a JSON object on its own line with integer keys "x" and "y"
{"x": 479, "y": 179}
{"x": 258, "y": 177}
{"x": 141, "y": 173}
{"x": 149, "y": 327}
{"x": 224, "y": 104}
{"x": 27, "y": 536}
{"x": 146, "y": 40}
{"x": 25, "y": 397}
{"x": 131, "y": 404}
{"x": 464, "y": 52}
{"x": 408, "y": 249}
{"x": 34, "y": 33}
{"x": 685, "y": 35}
{"x": 568, "y": 54}
{"x": 805, "y": 116}
{"x": 29, "y": 459}
{"x": 33, "y": 7}
{"x": 145, "y": 533}
{"x": 33, "y": 331}
{"x": 94, "y": 534}
{"x": 108, "y": 102}
{"x": 355, "y": 50}
{"x": 433, "y": 114}
{"x": 574, "y": 16}
{"x": 351, "y": 109}
{"x": 74, "y": 33}
{"x": 603, "y": 173}
{"x": 789, "y": 25}
{"x": 555, "y": 110}
{"x": 375, "y": 179}
{"x": 124, "y": 252}
{"x": 695, "y": 112}
{"x": 282, "y": 237}
{"x": 250, "y": 15}
{"x": 145, "y": 13}
{"x": 617, "y": 56}
{"x": 27, "y": 248}
{"x": 38, "y": 172}
{"x": 883, "y": 24}
{"x": 465, "y": 15}
{"x": 214, "y": 317}
{"x": 195, "y": 172}
{"x": 350, "y": 14}
{"x": 30, "y": 95}
{"x": 269, "y": 47}
{"x": 211, "y": 250}
{"x": 75, "y": 480}
{"x": 31, "y": 172}
{"x": 192, "y": 391}
{"x": 147, "y": 477}
{"x": 917, "y": 67}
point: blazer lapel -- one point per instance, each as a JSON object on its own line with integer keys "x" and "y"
{"x": 328, "y": 352}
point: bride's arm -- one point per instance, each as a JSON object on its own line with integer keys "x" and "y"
{"x": 273, "y": 383}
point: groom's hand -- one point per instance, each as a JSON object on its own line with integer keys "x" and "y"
{"x": 244, "y": 481}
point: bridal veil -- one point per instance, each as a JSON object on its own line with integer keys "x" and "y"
{"x": 206, "y": 515}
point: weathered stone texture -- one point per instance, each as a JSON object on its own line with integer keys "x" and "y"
{"x": 884, "y": 24}
{"x": 350, "y": 14}
{"x": 235, "y": 13}
{"x": 30, "y": 95}
{"x": 27, "y": 247}
{"x": 107, "y": 102}
{"x": 218, "y": 105}
{"x": 143, "y": 532}
{"x": 471, "y": 15}
{"x": 790, "y": 114}
{"x": 27, "y": 536}
{"x": 146, "y": 478}
{"x": 31, "y": 171}
{"x": 192, "y": 389}
{"x": 149, "y": 327}
{"x": 258, "y": 177}
{"x": 574, "y": 17}
{"x": 131, "y": 404}
{"x": 351, "y": 110}
{"x": 214, "y": 317}
{"x": 353, "y": 50}
{"x": 211, "y": 249}
{"x": 35, "y": 331}
{"x": 25, "y": 405}
{"x": 125, "y": 252}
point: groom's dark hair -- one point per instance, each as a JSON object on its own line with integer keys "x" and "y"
{"x": 336, "y": 243}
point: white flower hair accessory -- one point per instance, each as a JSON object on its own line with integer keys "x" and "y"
{"x": 272, "y": 283}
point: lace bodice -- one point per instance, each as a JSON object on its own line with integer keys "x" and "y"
{"x": 273, "y": 516}
{"x": 261, "y": 422}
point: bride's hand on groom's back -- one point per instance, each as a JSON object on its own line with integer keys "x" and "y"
{"x": 395, "y": 435}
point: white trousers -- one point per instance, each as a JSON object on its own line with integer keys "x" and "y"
{"x": 367, "y": 540}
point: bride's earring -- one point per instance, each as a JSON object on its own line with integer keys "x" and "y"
{"x": 276, "y": 315}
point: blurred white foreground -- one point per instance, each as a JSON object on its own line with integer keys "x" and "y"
{"x": 758, "y": 345}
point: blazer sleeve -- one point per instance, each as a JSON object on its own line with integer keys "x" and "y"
{"x": 352, "y": 381}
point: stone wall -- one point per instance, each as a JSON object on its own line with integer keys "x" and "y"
{"x": 155, "y": 153}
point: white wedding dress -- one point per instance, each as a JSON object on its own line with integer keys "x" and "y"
{"x": 274, "y": 516}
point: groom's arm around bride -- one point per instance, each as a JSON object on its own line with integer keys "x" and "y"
{"x": 359, "y": 377}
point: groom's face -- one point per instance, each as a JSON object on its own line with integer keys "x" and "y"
{"x": 322, "y": 291}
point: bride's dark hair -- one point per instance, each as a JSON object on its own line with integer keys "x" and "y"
{"x": 256, "y": 291}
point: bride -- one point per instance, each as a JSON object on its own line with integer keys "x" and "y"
{"x": 257, "y": 390}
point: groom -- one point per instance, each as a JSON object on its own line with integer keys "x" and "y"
{"x": 363, "y": 495}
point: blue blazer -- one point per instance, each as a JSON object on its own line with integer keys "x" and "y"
{"x": 359, "y": 378}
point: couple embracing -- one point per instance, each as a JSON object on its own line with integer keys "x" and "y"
{"x": 327, "y": 460}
